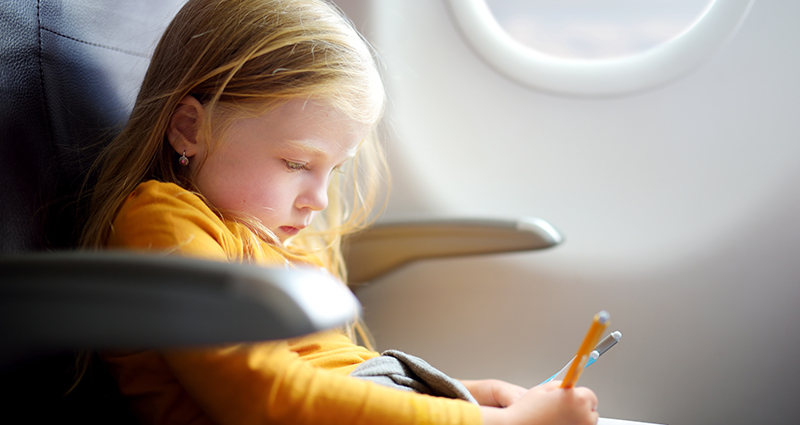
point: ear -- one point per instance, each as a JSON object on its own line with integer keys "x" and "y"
{"x": 184, "y": 127}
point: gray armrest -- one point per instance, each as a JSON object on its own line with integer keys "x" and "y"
{"x": 102, "y": 299}
{"x": 385, "y": 247}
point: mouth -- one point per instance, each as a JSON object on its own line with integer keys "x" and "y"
{"x": 290, "y": 230}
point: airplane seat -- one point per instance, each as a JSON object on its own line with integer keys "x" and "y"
{"x": 70, "y": 74}
{"x": 59, "y": 106}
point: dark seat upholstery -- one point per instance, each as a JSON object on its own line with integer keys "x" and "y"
{"x": 70, "y": 73}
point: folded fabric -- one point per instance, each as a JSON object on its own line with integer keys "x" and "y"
{"x": 403, "y": 371}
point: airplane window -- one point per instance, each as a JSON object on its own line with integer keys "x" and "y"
{"x": 593, "y": 47}
{"x": 593, "y": 29}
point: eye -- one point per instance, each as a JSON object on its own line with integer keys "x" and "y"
{"x": 295, "y": 166}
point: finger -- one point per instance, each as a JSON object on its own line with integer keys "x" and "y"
{"x": 506, "y": 394}
{"x": 549, "y": 386}
{"x": 590, "y": 396}
{"x": 587, "y": 398}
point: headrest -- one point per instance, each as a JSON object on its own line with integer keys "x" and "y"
{"x": 70, "y": 74}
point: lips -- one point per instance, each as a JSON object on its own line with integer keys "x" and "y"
{"x": 290, "y": 230}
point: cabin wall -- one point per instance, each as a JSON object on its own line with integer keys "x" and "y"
{"x": 679, "y": 206}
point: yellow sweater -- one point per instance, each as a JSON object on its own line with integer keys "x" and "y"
{"x": 298, "y": 381}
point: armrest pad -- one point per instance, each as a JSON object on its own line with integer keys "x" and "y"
{"x": 382, "y": 248}
{"x": 107, "y": 299}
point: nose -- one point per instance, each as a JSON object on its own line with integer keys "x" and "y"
{"x": 314, "y": 196}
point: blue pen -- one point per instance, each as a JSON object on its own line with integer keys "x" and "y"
{"x": 609, "y": 341}
{"x": 563, "y": 372}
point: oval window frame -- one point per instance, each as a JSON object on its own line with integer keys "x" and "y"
{"x": 597, "y": 78}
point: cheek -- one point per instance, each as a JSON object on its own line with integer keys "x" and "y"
{"x": 246, "y": 185}
{"x": 262, "y": 197}
{"x": 222, "y": 185}
{"x": 212, "y": 187}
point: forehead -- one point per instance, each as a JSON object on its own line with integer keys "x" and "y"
{"x": 307, "y": 126}
{"x": 316, "y": 149}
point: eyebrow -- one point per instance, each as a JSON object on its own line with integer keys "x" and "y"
{"x": 310, "y": 149}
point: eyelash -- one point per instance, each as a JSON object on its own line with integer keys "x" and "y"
{"x": 295, "y": 166}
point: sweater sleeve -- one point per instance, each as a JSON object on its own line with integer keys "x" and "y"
{"x": 300, "y": 381}
{"x": 267, "y": 383}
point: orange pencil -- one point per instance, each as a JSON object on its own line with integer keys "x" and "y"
{"x": 599, "y": 325}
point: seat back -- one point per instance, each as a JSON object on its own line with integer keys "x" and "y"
{"x": 70, "y": 74}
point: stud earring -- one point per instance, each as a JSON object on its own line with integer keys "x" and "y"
{"x": 183, "y": 160}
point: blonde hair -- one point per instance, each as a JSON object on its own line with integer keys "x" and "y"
{"x": 248, "y": 56}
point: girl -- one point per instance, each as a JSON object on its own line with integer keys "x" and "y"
{"x": 253, "y": 140}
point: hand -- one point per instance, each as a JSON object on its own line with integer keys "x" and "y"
{"x": 547, "y": 404}
{"x": 493, "y": 392}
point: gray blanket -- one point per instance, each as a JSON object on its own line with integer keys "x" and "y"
{"x": 403, "y": 371}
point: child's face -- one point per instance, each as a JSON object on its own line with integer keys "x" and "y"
{"x": 277, "y": 167}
